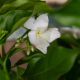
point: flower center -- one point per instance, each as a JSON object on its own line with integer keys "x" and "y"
{"x": 38, "y": 34}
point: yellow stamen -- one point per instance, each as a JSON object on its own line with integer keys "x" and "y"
{"x": 38, "y": 34}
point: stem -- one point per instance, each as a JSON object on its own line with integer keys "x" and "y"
{"x": 4, "y": 64}
{"x": 1, "y": 50}
{"x": 5, "y": 71}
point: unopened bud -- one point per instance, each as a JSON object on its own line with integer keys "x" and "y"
{"x": 17, "y": 45}
{"x": 28, "y": 52}
{"x": 32, "y": 49}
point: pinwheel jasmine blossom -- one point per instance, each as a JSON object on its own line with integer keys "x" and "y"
{"x": 40, "y": 35}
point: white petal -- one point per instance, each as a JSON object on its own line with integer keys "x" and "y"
{"x": 41, "y": 22}
{"x": 39, "y": 43}
{"x": 29, "y": 23}
{"x": 18, "y": 33}
{"x": 51, "y": 34}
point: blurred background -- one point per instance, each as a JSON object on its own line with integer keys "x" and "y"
{"x": 74, "y": 73}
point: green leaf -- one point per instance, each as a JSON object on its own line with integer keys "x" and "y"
{"x": 42, "y": 7}
{"x": 69, "y": 15}
{"x": 20, "y": 71}
{"x": 3, "y": 33}
{"x": 56, "y": 62}
{"x": 19, "y": 5}
{"x": 71, "y": 8}
{"x": 2, "y": 75}
{"x": 8, "y": 65}
{"x": 4, "y": 1}
{"x": 11, "y": 21}
{"x": 68, "y": 20}
{"x": 14, "y": 76}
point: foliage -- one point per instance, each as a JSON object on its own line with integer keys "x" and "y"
{"x": 62, "y": 53}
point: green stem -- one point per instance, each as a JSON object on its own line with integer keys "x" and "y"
{"x": 5, "y": 71}
{"x": 4, "y": 64}
{"x": 1, "y": 50}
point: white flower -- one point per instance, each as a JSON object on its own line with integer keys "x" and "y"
{"x": 40, "y": 35}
